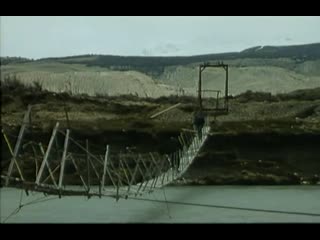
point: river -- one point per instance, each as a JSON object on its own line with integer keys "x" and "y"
{"x": 182, "y": 204}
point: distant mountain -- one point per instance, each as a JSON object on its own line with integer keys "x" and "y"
{"x": 13, "y": 60}
{"x": 275, "y": 69}
{"x": 298, "y": 52}
{"x": 155, "y": 65}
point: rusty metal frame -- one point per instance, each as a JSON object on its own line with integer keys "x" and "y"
{"x": 202, "y": 67}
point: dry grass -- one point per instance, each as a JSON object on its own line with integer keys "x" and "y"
{"x": 108, "y": 83}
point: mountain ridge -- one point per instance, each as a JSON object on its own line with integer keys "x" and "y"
{"x": 304, "y": 51}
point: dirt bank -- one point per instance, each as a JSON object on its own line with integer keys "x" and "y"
{"x": 257, "y": 143}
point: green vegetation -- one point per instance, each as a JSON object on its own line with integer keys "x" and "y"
{"x": 301, "y": 95}
{"x": 13, "y": 60}
{"x": 298, "y": 52}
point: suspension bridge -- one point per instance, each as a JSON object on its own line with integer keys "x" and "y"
{"x": 98, "y": 175}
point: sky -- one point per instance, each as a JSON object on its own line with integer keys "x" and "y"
{"x": 56, "y": 36}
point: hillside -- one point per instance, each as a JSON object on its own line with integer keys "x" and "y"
{"x": 245, "y": 75}
{"x": 275, "y": 69}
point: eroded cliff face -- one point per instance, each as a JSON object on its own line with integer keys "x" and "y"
{"x": 258, "y": 158}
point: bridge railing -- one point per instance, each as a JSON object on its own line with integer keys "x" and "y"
{"x": 72, "y": 169}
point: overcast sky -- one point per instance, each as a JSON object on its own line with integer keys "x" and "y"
{"x": 38, "y": 37}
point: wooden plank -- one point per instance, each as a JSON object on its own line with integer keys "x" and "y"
{"x": 172, "y": 170}
{"x": 17, "y": 146}
{"x": 163, "y": 177}
{"x": 181, "y": 160}
{"x": 165, "y": 110}
{"x": 122, "y": 166}
{"x": 193, "y": 151}
{"x": 139, "y": 169}
{"x": 146, "y": 167}
{"x": 48, "y": 166}
{"x": 188, "y": 130}
{"x": 157, "y": 169}
{"x": 47, "y": 153}
{"x": 185, "y": 157}
{"x": 94, "y": 169}
{"x": 117, "y": 194}
{"x": 105, "y": 166}
{"x": 63, "y": 160}
{"x": 180, "y": 141}
{"x": 184, "y": 140}
{"x": 153, "y": 181}
{"x": 187, "y": 139}
{"x": 7, "y": 141}
{"x": 194, "y": 144}
{"x": 12, "y": 154}
{"x": 177, "y": 157}
{"x": 142, "y": 174}
{"x": 78, "y": 170}
{"x": 83, "y": 148}
{"x": 108, "y": 171}
{"x": 164, "y": 174}
{"x": 155, "y": 163}
{"x": 191, "y": 136}
{"x": 197, "y": 141}
{"x": 160, "y": 159}
{"x": 177, "y": 161}
{"x": 132, "y": 174}
{"x": 54, "y": 170}
{"x": 174, "y": 161}
{"x": 115, "y": 172}
{"x": 111, "y": 178}
{"x": 35, "y": 159}
{"x": 88, "y": 169}
{"x": 161, "y": 168}
{"x": 148, "y": 172}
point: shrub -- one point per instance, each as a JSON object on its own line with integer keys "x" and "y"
{"x": 255, "y": 96}
{"x": 11, "y": 83}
